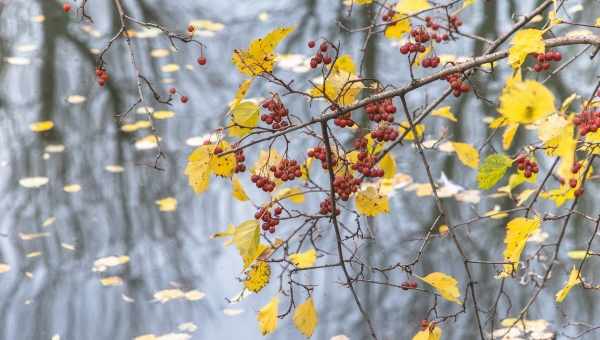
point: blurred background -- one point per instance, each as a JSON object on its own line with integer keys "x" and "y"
{"x": 50, "y": 237}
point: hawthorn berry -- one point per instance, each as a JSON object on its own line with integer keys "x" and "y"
{"x": 202, "y": 60}
{"x": 172, "y": 90}
{"x": 184, "y": 99}
{"x": 191, "y": 28}
{"x": 67, "y": 7}
{"x": 311, "y": 44}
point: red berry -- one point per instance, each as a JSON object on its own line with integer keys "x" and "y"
{"x": 311, "y": 44}
{"x": 184, "y": 99}
{"x": 327, "y": 60}
{"x": 67, "y": 7}
{"x": 324, "y": 46}
{"x": 172, "y": 90}
{"x": 202, "y": 61}
{"x": 537, "y": 67}
{"x": 218, "y": 150}
{"x": 572, "y": 182}
{"x": 313, "y": 63}
{"x": 191, "y": 28}
{"x": 578, "y": 192}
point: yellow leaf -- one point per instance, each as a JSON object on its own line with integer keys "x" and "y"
{"x": 72, "y": 188}
{"x": 526, "y": 101}
{"x": 467, "y": 154}
{"x": 445, "y": 113}
{"x": 399, "y": 28}
{"x": 267, "y": 316}
{"x": 305, "y": 259}
{"x": 163, "y": 115}
{"x": 371, "y": 203}
{"x": 198, "y": 169}
{"x": 342, "y": 88}
{"x": 567, "y": 102}
{"x": 306, "y": 318}
{"x": 445, "y": 285}
{"x": 293, "y": 194}
{"x": 260, "y": 56}
{"x": 404, "y": 125}
{"x": 265, "y": 160}
{"x": 492, "y": 170}
{"x": 428, "y": 334}
{"x": 170, "y": 68}
{"x": 468, "y": 3}
{"x": 246, "y": 238}
{"x": 509, "y": 135}
{"x": 222, "y": 165}
{"x": 577, "y": 254}
{"x": 241, "y": 92}
{"x": 238, "y": 190}
{"x": 412, "y": 6}
{"x": 518, "y": 231}
{"x": 111, "y": 281}
{"x": 41, "y": 126}
{"x": 344, "y": 64}
{"x": 167, "y": 204}
{"x": 525, "y": 41}
{"x": 388, "y": 165}
{"x": 573, "y": 280}
{"x": 244, "y": 117}
{"x": 258, "y": 276}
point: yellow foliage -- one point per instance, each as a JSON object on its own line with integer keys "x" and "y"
{"x": 429, "y": 334}
{"x": 509, "y": 135}
{"x": 518, "y": 231}
{"x": 445, "y": 112}
{"x": 305, "y": 259}
{"x": 369, "y": 202}
{"x": 526, "y": 101}
{"x": 399, "y": 28}
{"x": 293, "y": 194}
{"x": 445, "y": 285}
{"x": 467, "y": 154}
{"x": 244, "y": 117}
{"x": 202, "y": 162}
{"x": 258, "y": 276}
{"x": 411, "y": 6}
{"x": 404, "y": 125}
{"x": 265, "y": 160}
{"x": 267, "y": 316}
{"x": 306, "y": 318}
{"x": 167, "y": 204}
{"x": 246, "y": 238}
{"x": 344, "y": 63}
{"x": 241, "y": 92}
{"x": 260, "y": 56}
{"x": 573, "y": 280}
{"x": 525, "y": 41}
{"x": 41, "y": 126}
{"x": 238, "y": 191}
{"x": 388, "y": 165}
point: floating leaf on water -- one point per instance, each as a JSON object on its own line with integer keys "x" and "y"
{"x": 34, "y": 254}
{"x": 167, "y": 295}
{"x": 114, "y": 168}
{"x": 232, "y": 311}
{"x": 18, "y": 60}
{"x": 38, "y": 18}
{"x": 4, "y": 268}
{"x": 32, "y": 236}
{"x": 144, "y": 110}
{"x": 26, "y": 48}
{"x": 189, "y": 327}
{"x": 72, "y": 188}
{"x": 49, "y": 221}
{"x": 111, "y": 281}
{"x": 160, "y": 53}
{"x": 169, "y": 68}
{"x": 147, "y": 143}
{"x": 68, "y": 246}
{"x": 41, "y": 126}
{"x": 55, "y": 148}
{"x": 102, "y": 264}
{"x": 207, "y": 25}
{"x": 76, "y": 99}
{"x": 167, "y": 204}
{"x": 33, "y": 182}
{"x": 163, "y": 114}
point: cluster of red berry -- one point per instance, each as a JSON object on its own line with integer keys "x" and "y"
{"x": 344, "y": 120}
{"x": 269, "y": 222}
{"x": 319, "y": 56}
{"x": 263, "y": 182}
{"x": 277, "y": 113}
{"x": 239, "y": 161}
{"x": 320, "y": 153}
{"x": 382, "y": 110}
{"x": 544, "y": 59}
{"x": 346, "y": 185}
{"x": 326, "y": 207}
{"x": 410, "y": 47}
{"x": 587, "y": 121}
{"x": 385, "y": 133}
{"x": 529, "y": 167}
{"x": 101, "y": 76}
{"x": 406, "y": 285}
{"x": 286, "y": 170}
{"x": 432, "y": 62}
{"x": 173, "y": 91}
{"x": 366, "y": 165}
{"x": 458, "y": 85}
{"x": 388, "y": 16}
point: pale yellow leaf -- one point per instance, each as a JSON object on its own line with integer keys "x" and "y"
{"x": 305, "y": 259}
{"x": 306, "y": 318}
{"x": 267, "y": 316}
{"x": 445, "y": 285}
{"x": 467, "y": 154}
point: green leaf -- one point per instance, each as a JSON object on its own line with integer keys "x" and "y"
{"x": 492, "y": 169}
